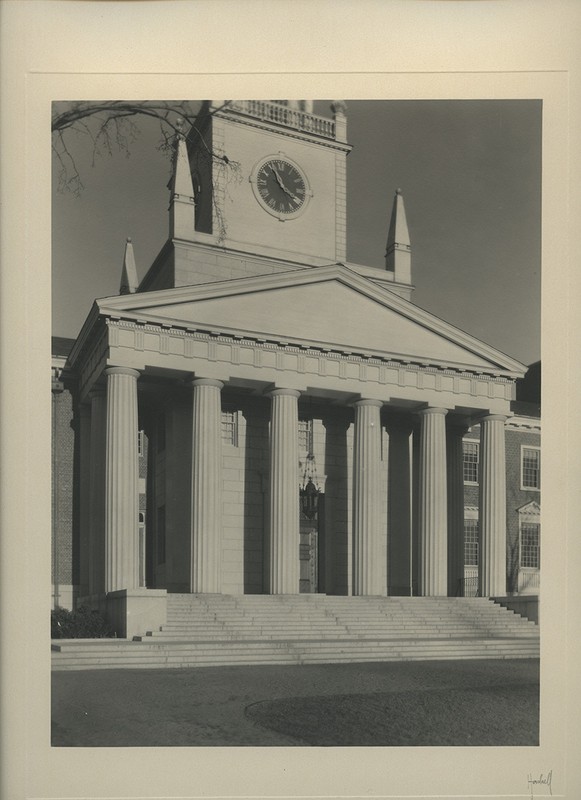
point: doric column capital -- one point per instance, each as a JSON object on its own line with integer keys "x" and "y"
{"x": 122, "y": 371}
{"x": 339, "y": 420}
{"x": 457, "y": 427}
{"x": 495, "y": 418}
{"x": 278, "y": 391}
{"x": 365, "y": 401}
{"x": 206, "y": 382}
{"x": 399, "y": 422}
{"x": 423, "y": 412}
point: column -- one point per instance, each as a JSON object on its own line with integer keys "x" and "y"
{"x": 492, "y": 508}
{"x": 121, "y": 481}
{"x": 433, "y": 554}
{"x": 206, "y": 486}
{"x": 399, "y": 507}
{"x": 98, "y": 400}
{"x": 337, "y": 502}
{"x": 84, "y": 461}
{"x": 455, "y": 464}
{"x": 284, "y": 493}
{"x": 366, "y": 503}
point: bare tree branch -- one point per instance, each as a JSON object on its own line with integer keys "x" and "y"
{"x": 113, "y": 126}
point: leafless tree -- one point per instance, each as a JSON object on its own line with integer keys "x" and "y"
{"x": 114, "y": 126}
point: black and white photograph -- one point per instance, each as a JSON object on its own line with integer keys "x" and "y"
{"x": 296, "y": 449}
{"x": 278, "y": 520}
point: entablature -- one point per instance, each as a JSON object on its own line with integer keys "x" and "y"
{"x": 238, "y": 357}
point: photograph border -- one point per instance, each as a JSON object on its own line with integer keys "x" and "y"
{"x": 30, "y": 768}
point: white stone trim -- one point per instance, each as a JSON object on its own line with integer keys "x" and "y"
{"x": 470, "y": 512}
{"x": 521, "y": 423}
{"x": 524, "y": 447}
{"x": 127, "y": 305}
{"x": 531, "y": 510}
{"x": 314, "y": 349}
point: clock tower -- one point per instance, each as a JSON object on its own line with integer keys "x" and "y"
{"x": 268, "y": 181}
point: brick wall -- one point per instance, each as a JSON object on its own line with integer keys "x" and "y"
{"x": 64, "y": 545}
{"x": 516, "y": 498}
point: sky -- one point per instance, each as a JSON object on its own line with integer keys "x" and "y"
{"x": 470, "y": 174}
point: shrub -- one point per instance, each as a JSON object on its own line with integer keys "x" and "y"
{"x": 80, "y": 624}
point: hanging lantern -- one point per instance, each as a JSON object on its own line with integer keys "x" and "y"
{"x": 309, "y": 490}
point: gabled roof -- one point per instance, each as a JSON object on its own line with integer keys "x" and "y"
{"x": 330, "y": 307}
{"x": 61, "y": 346}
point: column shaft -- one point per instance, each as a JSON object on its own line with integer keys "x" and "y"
{"x": 206, "y": 486}
{"x": 492, "y": 508}
{"x": 284, "y": 493}
{"x": 366, "y": 499}
{"x": 399, "y": 507}
{"x": 121, "y": 481}
{"x": 98, "y": 435}
{"x": 433, "y": 555}
{"x": 84, "y": 456}
{"x": 455, "y": 465}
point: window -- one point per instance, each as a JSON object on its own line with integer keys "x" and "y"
{"x": 471, "y": 542}
{"x": 470, "y": 452}
{"x": 140, "y": 444}
{"x": 306, "y": 435}
{"x": 230, "y": 427}
{"x": 530, "y": 468}
{"x": 530, "y": 550}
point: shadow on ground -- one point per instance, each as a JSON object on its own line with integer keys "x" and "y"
{"x": 497, "y": 716}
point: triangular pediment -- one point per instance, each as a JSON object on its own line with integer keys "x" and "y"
{"x": 328, "y": 307}
{"x": 531, "y": 509}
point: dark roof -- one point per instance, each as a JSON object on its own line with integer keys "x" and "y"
{"x": 61, "y": 346}
{"x": 528, "y": 389}
{"x": 524, "y": 409}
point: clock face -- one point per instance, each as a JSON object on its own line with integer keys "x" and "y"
{"x": 281, "y": 187}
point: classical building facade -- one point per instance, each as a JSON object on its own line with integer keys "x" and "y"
{"x": 260, "y": 416}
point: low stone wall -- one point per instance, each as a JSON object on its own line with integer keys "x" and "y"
{"x": 527, "y": 606}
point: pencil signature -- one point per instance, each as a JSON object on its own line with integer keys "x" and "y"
{"x": 541, "y": 780}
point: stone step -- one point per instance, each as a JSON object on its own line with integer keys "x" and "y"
{"x": 302, "y": 656}
{"x": 211, "y": 630}
{"x": 363, "y": 631}
{"x": 361, "y": 638}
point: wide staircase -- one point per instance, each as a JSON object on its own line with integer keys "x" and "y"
{"x": 212, "y": 630}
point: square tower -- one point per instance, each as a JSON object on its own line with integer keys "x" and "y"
{"x": 269, "y": 179}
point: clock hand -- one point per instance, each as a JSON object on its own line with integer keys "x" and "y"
{"x": 283, "y": 187}
{"x": 278, "y": 179}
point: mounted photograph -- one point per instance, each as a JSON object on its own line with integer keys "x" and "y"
{"x": 296, "y": 423}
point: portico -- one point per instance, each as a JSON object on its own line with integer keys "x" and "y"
{"x": 225, "y": 519}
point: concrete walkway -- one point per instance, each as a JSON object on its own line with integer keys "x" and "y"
{"x": 484, "y": 702}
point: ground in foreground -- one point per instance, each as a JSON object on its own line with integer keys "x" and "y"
{"x": 429, "y": 703}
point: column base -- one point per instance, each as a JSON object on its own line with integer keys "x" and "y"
{"x": 133, "y": 612}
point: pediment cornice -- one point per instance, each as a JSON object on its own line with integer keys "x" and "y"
{"x": 531, "y": 509}
{"x": 148, "y": 308}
